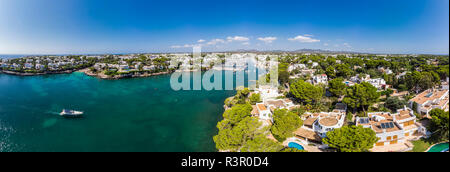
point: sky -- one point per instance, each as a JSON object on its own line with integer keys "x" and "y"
{"x": 152, "y": 26}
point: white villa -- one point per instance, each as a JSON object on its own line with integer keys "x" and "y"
{"x": 296, "y": 66}
{"x": 268, "y": 92}
{"x": 429, "y": 100}
{"x": 316, "y": 125}
{"x": 392, "y": 129}
{"x": 379, "y": 83}
{"x": 320, "y": 79}
{"x": 262, "y": 112}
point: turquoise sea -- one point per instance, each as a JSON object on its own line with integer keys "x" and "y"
{"x": 140, "y": 114}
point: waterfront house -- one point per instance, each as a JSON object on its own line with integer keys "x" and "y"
{"x": 4, "y": 65}
{"x": 16, "y": 66}
{"x": 28, "y": 65}
{"x": 149, "y": 68}
{"x": 393, "y": 129}
{"x": 316, "y": 125}
{"x": 268, "y": 92}
{"x": 40, "y": 67}
{"x": 124, "y": 67}
{"x": 429, "y": 100}
{"x": 263, "y": 112}
{"x": 53, "y": 66}
{"x": 100, "y": 66}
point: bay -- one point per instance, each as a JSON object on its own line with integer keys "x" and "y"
{"x": 129, "y": 115}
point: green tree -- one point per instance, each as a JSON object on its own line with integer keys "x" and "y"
{"x": 394, "y": 103}
{"x": 330, "y": 71}
{"x": 234, "y": 137}
{"x": 343, "y": 70}
{"x": 426, "y": 81}
{"x": 284, "y": 124}
{"x": 337, "y": 87}
{"x": 242, "y": 95}
{"x": 255, "y": 98}
{"x": 361, "y": 96}
{"x": 306, "y": 92}
{"x": 439, "y": 124}
{"x": 237, "y": 113}
{"x": 351, "y": 139}
{"x": 387, "y": 92}
{"x": 283, "y": 74}
{"x": 261, "y": 144}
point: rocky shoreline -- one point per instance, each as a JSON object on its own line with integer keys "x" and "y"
{"x": 103, "y": 76}
{"x": 36, "y": 74}
{"x": 85, "y": 71}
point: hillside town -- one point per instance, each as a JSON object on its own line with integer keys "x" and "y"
{"x": 394, "y": 103}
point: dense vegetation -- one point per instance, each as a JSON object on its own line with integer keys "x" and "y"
{"x": 412, "y": 74}
{"x": 351, "y": 139}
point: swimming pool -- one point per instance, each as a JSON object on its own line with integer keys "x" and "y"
{"x": 441, "y": 147}
{"x": 296, "y": 146}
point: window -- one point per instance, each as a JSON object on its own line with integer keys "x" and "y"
{"x": 395, "y": 137}
{"x": 388, "y": 138}
{"x": 379, "y": 144}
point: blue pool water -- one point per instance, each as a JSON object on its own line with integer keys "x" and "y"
{"x": 296, "y": 145}
{"x": 442, "y": 147}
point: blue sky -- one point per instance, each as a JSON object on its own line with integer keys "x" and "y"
{"x": 137, "y": 26}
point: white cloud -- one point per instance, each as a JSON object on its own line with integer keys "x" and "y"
{"x": 215, "y": 41}
{"x": 246, "y": 43}
{"x": 237, "y": 38}
{"x": 176, "y": 46}
{"x": 268, "y": 40}
{"x": 200, "y": 41}
{"x": 347, "y": 45}
{"x": 325, "y": 44}
{"x": 304, "y": 39}
{"x": 184, "y": 46}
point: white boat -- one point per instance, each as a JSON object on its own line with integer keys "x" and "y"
{"x": 71, "y": 113}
